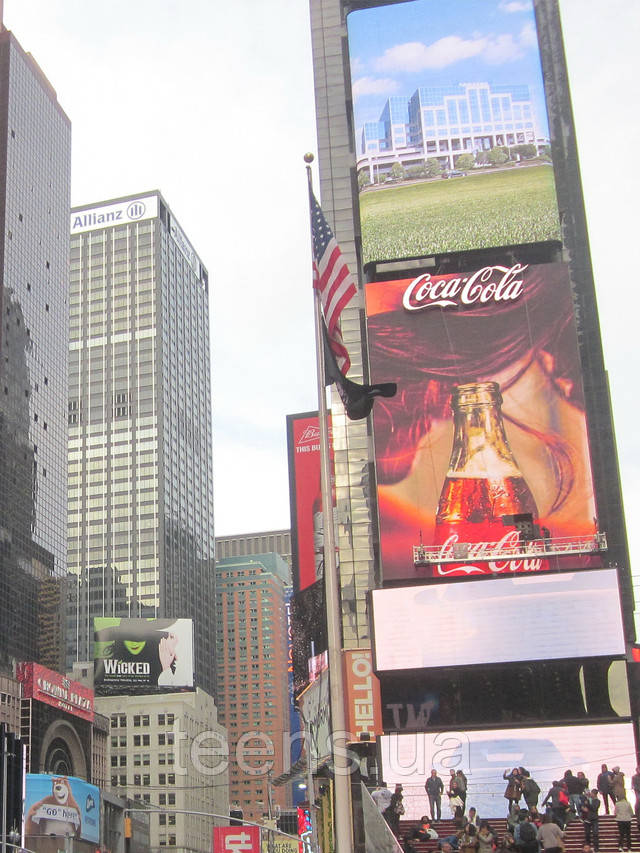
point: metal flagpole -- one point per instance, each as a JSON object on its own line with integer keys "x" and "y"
{"x": 342, "y": 787}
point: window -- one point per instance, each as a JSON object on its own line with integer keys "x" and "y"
{"x": 162, "y": 779}
{"x": 136, "y": 778}
{"x": 136, "y": 720}
{"x": 171, "y": 778}
{"x": 161, "y": 719}
{"x": 161, "y": 740}
{"x": 170, "y": 719}
{"x": 162, "y": 819}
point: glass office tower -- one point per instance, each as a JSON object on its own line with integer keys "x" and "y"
{"x": 35, "y": 160}
{"x": 140, "y": 532}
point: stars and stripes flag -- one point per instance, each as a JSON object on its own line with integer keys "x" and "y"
{"x": 336, "y": 287}
{"x": 332, "y": 280}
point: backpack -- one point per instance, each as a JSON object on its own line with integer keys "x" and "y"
{"x": 528, "y": 832}
{"x": 563, "y": 798}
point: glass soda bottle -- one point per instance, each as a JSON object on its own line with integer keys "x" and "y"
{"x": 483, "y": 482}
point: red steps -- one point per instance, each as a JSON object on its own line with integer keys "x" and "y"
{"x": 574, "y": 836}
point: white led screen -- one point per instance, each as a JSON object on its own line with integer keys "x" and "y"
{"x": 484, "y": 756}
{"x": 501, "y": 620}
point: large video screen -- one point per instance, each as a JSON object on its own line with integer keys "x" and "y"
{"x": 548, "y": 612}
{"x": 142, "y": 653}
{"x": 451, "y": 128}
{"x": 489, "y": 420}
{"x": 484, "y": 756}
{"x": 593, "y": 690}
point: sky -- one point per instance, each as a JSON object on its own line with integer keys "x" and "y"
{"x": 395, "y": 49}
{"x": 212, "y": 103}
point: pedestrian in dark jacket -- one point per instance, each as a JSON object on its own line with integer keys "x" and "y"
{"x": 603, "y": 784}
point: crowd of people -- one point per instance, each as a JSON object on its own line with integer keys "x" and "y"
{"x": 529, "y": 829}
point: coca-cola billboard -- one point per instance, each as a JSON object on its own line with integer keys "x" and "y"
{"x": 489, "y": 424}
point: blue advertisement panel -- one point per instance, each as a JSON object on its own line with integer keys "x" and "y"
{"x": 451, "y": 128}
{"x": 62, "y": 806}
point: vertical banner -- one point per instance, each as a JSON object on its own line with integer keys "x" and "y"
{"x": 236, "y": 839}
{"x": 363, "y": 705}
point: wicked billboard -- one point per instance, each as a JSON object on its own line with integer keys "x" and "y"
{"x": 489, "y": 423}
{"x": 143, "y": 652}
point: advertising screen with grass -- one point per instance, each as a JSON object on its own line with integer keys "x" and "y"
{"x": 451, "y": 129}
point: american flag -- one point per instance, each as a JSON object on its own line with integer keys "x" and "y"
{"x": 331, "y": 277}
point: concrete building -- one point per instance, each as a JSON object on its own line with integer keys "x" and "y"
{"x": 167, "y": 752}
{"x": 245, "y": 544}
{"x": 252, "y": 675}
{"x": 140, "y": 500}
{"x": 35, "y": 151}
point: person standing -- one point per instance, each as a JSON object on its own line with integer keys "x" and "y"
{"x": 618, "y": 784}
{"x": 590, "y": 819}
{"x": 395, "y": 810}
{"x": 624, "y": 815}
{"x": 530, "y": 792}
{"x": 603, "y": 784}
{"x": 434, "y": 786}
{"x": 462, "y": 787}
{"x": 513, "y": 791}
{"x": 635, "y": 784}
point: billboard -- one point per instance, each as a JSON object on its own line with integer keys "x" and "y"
{"x": 63, "y": 806}
{"x": 54, "y": 689}
{"x": 236, "y": 839}
{"x": 489, "y": 421}
{"x": 550, "y": 611}
{"x": 362, "y": 694}
{"x": 307, "y": 534}
{"x": 451, "y": 128}
{"x": 546, "y": 752}
{"x": 143, "y": 652}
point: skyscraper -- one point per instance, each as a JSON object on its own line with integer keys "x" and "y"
{"x": 252, "y": 677}
{"x": 35, "y": 152}
{"x": 141, "y": 539}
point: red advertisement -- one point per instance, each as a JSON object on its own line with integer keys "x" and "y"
{"x": 306, "y": 499}
{"x": 488, "y": 427}
{"x": 362, "y": 694}
{"x": 236, "y": 839}
{"x": 54, "y": 689}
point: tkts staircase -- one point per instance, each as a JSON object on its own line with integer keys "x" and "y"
{"x": 574, "y": 834}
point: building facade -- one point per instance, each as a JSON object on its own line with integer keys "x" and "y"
{"x": 245, "y": 544}
{"x": 167, "y": 753}
{"x": 427, "y": 696}
{"x": 442, "y": 122}
{"x": 253, "y": 679}
{"x": 35, "y": 152}
{"x": 140, "y": 500}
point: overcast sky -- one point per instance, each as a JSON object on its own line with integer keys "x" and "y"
{"x": 211, "y": 102}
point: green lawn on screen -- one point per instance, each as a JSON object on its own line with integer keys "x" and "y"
{"x": 500, "y": 208}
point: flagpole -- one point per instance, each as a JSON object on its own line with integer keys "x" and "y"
{"x": 342, "y": 787}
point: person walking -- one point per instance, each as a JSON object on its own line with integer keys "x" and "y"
{"x": 623, "y": 815}
{"x": 513, "y": 791}
{"x": 462, "y": 787}
{"x": 434, "y": 786}
{"x": 550, "y": 836}
{"x": 618, "y": 784}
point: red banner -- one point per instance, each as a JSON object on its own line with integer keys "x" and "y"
{"x": 236, "y": 839}
{"x": 54, "y": 689}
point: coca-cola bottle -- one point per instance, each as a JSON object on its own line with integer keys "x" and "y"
{"x": 483, "y": 482}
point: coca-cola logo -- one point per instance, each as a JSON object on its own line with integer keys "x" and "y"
{"x": 489, "y": 284}
{"x": 488, "y": 558}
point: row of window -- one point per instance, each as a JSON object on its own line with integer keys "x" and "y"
{"x": 120, "y": 720}
{"x": 143, "y": 779}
